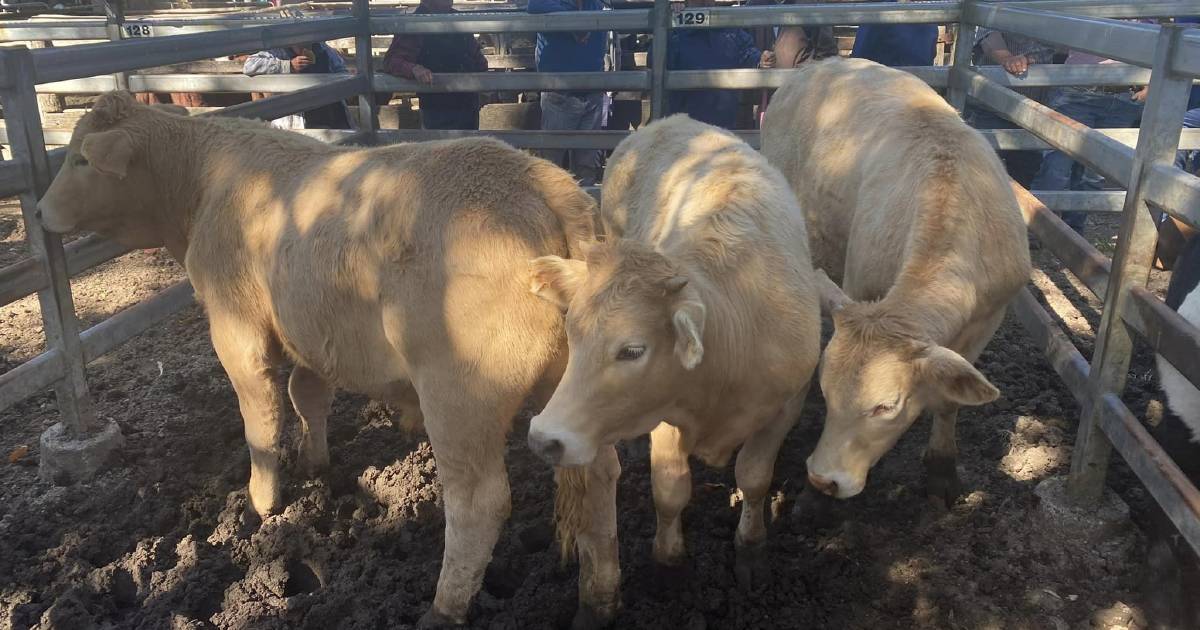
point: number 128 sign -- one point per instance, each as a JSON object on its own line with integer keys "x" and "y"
{"x": 691, "y": 17}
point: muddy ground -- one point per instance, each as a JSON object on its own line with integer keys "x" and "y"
{"x": 156, "y": 543}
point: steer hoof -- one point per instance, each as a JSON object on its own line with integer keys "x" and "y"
{"x": 591, "y": 618}
{"x": 942, "y": 485}
{"x": 751, "y": 567}
{"x": 433, "y": 619}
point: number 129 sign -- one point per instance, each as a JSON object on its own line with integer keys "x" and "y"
{"x": 691, "y": 17}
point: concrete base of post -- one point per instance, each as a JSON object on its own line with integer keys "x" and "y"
{"x": 67, "y": 459}
{"x": 1059, "y": 518}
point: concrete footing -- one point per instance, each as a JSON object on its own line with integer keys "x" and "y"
{"x": 1059, "y": 518}
{"x": 67, "y": 459}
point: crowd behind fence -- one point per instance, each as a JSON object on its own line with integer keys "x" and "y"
{"x": 1167, "y": 58}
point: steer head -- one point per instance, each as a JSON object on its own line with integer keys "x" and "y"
{"x": 634, "y": 328}
{"x": 105, "y": 184}
{"x": 878, "y": 374}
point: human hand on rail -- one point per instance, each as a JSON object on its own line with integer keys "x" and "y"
{"x": 300, "y": 62}
{"x": 1016, "y": 65}
{"x": 767, "y": 60}
{"x": 1139, "y": 96}
{"x": 422, "y": 74}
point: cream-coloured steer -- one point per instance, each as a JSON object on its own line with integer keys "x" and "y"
{"x": 369, "y": 268}
{"x": 911, "y": 212}
{"x": 698, "y": 323}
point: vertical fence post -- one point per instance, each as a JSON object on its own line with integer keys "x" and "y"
{"x": 368, "y": 114}
{"x": 24, "y": 126}
{"x": 1157, "y": 143}
{"x": 964, "y": 44}
{"x": 114, "y": 22}
{"x": 661, "y": 23}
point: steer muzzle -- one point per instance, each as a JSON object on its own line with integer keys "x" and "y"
{"x": 558, "y": 446}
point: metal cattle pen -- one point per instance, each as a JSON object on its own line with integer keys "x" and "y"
{"x": 1167, "y": 58}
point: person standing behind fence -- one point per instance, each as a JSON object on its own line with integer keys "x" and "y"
{"x": 896, "y": 44}
{"x": 1015, "y": 53}
{"x": 423, "y": 57}
{"x": 572, "y": 110}
{"x": 712, "y": 49}
{"x": 316, "y": 58}
{"x": 1097, "y": 107}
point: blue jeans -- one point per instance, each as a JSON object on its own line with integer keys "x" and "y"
{"x": 564, "y": 111}
{"x": 1187, "y": 160}
{"x": 1097, "y": 110}
{"x": 1022, "y": 166}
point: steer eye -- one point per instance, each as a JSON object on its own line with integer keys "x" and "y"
{"x": 631, "y": 352}
{"x": 882, "y": 409}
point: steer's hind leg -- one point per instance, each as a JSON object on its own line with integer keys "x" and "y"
{"x": 599, "y": 561}
{"x": 249, "y": 356}
{"x": 312, "y": 397}
{"x": 671, "y": 480}
{"x": 468, "y": 444}
{"x": 754, "y": 470}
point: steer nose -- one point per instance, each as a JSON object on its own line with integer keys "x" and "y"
{"x": 826, "y": 486}
{"x": 549, "y": 449}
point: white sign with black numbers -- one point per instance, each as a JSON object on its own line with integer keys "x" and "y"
{"x": 137, "y": 30}
{"x": 691, "y": 17}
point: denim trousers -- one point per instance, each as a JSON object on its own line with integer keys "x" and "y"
{"x": 1097, "y": 110}
{"x": 563, "y": 111}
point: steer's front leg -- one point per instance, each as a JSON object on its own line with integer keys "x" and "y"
{"x": 250, "y": 357}
{"x": 599, "y": 557}
{"x": 671, "y": 480}
{"x": 754, "y": 469}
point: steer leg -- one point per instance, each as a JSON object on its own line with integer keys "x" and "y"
{"x": 671, "y": 480}
{"x": 599, "y": 565}
{"x": 754, "y": 470}
{"x": 250, "y": 357}
{"x": 312, "y": 397}
{"x": 942, "y": 485}
{"x": 468, "y": 445}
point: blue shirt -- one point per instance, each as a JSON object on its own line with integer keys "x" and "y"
{"x": 710, "y": 49}
{"x": 896, "y": 44}
{"x": 563, "y": 52}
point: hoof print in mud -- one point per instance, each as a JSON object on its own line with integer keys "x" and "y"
{"x": 751, "y": 567}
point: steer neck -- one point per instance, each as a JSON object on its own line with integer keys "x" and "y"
{"x": 939, "y": 306}
{"x": 175, "y": 164}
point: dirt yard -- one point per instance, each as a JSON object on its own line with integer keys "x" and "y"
{"x": 156, "y": 541}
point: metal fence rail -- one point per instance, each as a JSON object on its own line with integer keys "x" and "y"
{"x": 1166, "y": 58}
{"x": 1128, "y": 308}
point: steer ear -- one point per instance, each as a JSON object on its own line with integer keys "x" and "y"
{"x": 689, "y": 333}
{"x": 832, "y": 296}
{"x": 108, "y": 152}
{"x": 555, "y": 280}
{"x": 953, "y": 378}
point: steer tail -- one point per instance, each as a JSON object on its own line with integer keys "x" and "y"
{"x": 576, "y": 210}
{"x": 570, "y": 509}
